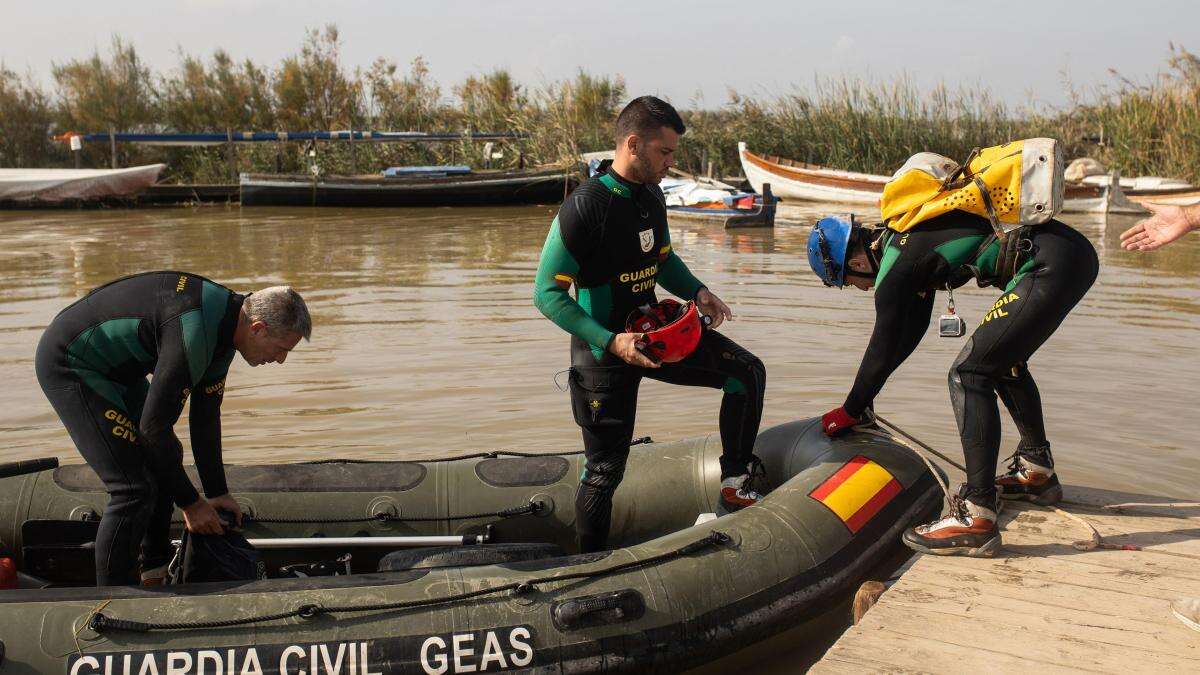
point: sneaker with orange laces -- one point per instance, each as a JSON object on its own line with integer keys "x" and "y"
{"x": 1030, "y": 477}
{"x": 969, "y": 529}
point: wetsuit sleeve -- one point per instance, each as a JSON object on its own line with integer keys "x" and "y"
{"x": 901, "y": 319}
{"x": 573, "y": 235}
{"x": 170, "y": 385}
{"x": 674, "y": 275}
{"x": 204, "y": 420}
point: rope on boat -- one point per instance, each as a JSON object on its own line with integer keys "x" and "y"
{"x": 905, "y": 437}
{"x": 100, "y": 622}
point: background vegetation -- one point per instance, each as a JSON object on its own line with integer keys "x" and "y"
{"x": 1139, "y": 128}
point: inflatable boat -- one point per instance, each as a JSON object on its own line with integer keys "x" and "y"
{"x": 467, "y": 564}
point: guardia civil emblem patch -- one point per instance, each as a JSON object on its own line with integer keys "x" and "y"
{"x": 647, "y": 240}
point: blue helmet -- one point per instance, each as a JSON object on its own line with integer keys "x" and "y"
{"x": 827, "y": 246}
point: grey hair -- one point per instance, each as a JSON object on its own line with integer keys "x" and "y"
{"x": 282, "y": 309}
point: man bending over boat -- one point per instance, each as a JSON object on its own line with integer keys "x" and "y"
{"x": 1053, "y": 267}
{"x": 610, "y": 240}
{"x": 181, "y": 330}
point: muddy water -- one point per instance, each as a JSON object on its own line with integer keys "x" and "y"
{"x": 426, "y": 342}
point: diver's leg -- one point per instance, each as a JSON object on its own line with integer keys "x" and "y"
{"x": 719, "y": 362}
{"x": 604, "y": 401}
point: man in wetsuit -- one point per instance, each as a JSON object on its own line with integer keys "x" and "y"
{"x": 610, "y": 240}
{"x": 1055, "y": 267}
{"x": 182, "y": 330}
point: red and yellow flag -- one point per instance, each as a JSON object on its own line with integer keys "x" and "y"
{"x": 857, "y": 491}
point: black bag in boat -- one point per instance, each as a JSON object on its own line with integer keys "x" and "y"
{"x": 216, "y": 557}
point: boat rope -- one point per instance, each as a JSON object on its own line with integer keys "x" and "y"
{"x": 101, "y": 622}
{"x": 866, "y": 428}
{"x": 489, "y": 454}
{"x": 1161, "y": 505}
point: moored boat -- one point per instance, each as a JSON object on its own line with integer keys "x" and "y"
{"x": 477, "y": 188}
{"x": 677, "y": 590}
{"x": 811, "y": 182}
{"x": 49, "y": 187}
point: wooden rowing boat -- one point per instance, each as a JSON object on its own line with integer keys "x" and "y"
{"x": 480, "y": 188}
{"x": 811, "y": 182}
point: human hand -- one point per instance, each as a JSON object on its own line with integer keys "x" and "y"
{"x": 229, "y": 504}
{"x": 624, "y": 345}
{"x": 201, "y": 518}
{"x": 712, "y": 307}
{"x": 1166, "y": 224}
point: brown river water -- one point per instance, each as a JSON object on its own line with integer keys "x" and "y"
{"x": 426, "y": 342}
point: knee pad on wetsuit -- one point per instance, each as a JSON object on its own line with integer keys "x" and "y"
{"x": 603, "y": 476}
{"x": 963, "y": 377}
{"x": 756, "y": 375}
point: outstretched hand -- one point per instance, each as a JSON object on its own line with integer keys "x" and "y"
{"x": 712, "y": 307}
{"x": 1166, "y": 224}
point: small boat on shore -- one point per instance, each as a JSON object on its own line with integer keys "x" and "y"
{"x": 812, "y": 182}
{"x": 476, "y": 188}
{"x": 29, "y": 188}
{"x": 681, "y": 587}
{"x": 701, "y": 198}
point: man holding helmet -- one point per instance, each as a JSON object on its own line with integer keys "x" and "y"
{"x": 1055, "y": 267}
{"x": 610, "y": 240}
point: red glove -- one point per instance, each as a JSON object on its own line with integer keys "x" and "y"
{"x": 836, "y": 422}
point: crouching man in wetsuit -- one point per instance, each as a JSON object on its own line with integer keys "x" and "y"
{"x": 610, "y": 239}
{"x": 182, "y": 330}
{"x": 1055, "y": 268}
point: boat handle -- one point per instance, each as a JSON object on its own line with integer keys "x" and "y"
{"x": 598, "y": 610}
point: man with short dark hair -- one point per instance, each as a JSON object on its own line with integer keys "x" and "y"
{"x": 182, "y": 330}
{"x": 610, "y": 240}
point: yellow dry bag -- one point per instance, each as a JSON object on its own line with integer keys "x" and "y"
{"x": 1012, "y": 185}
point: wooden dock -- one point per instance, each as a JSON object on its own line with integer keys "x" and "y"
{"x": 1042, "y": 605}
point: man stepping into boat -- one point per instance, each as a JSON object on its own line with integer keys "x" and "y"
{"x": 1055, "y": 268}
{"x": 182, "y": 330}
{"x": 610, "y": 240}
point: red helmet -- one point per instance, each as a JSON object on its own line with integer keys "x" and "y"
{"x": 672, "y": 330}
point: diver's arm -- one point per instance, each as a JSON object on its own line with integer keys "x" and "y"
{"x": 901, "y": 319}
{"x": 558, "y": 268}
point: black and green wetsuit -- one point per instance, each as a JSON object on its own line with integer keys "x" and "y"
{"x": 611, "y": 241}
{"x": 1055, "y": 272}
{"x": 92, "y": 363}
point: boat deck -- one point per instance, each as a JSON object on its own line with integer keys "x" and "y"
{"x": 1042, "y": 605}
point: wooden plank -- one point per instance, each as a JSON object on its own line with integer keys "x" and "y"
{"x": 1042, "y": 605}
{"x": 1054, "y": 621}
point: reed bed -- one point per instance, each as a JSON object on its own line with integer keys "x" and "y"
{"x": 1150, "y": 127}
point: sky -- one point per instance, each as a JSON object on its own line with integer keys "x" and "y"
{"x": 689, "y": 52}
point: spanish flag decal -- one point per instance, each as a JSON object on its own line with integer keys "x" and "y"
{"x": 563, "y": 281}
{"x": 857, "y": 491}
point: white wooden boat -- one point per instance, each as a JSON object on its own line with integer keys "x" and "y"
{"x": 51, "y": 186}
{"x": 791, "y": 180}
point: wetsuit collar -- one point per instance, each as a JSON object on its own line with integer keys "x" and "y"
{"x": 618, "y": 184}
{"x": 229, "y": 322}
